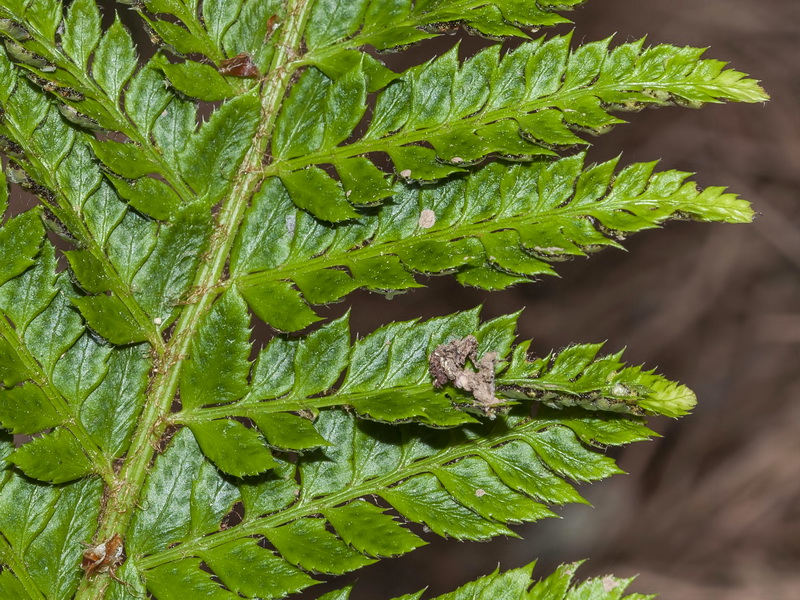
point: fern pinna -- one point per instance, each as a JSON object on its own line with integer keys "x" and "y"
{"x": 262, "y": 162}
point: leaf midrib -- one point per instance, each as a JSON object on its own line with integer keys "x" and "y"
{"x": 288, "y": 403}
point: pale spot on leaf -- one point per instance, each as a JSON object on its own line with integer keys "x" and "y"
{"x": 427, "y": 218}
{"x": 609, "y": 583}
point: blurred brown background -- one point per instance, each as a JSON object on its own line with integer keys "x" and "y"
{"x": 711, "y": 511}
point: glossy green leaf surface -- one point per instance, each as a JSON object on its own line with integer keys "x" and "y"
{"x": 218, "y": 372}
{"x": 42, "y": 528}
{"x": 197, "y": 80}
{"x": 213, "y": 153}
{"x": 388, "y": 24}
{"x": 560, "y": 585}
{"x": 436, "y": 478}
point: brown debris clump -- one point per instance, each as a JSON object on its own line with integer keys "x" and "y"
{"x": 447, "y": 363}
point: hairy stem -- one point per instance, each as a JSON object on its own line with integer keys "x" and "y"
{"x": 123, "y": 497}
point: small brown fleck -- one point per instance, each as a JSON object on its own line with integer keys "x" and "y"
{"x": 241, "y": 65}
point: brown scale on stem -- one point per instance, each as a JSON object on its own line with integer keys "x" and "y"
{"x": 104, "y": 557}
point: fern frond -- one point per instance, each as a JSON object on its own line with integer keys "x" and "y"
{"x": 516, "y": 585}
{"x": 153, "y": 453}
{"x": 117, "y": 250}
{"x": 463, "y": 483}
{"x": 118, "y": 96}
{"x": 387, "y": 376}
{"x": 386, "y": 25}
{"x": 442, "y": 116}
{"x": 59, "y": 375}
{"x": 501, "y": 225}
{"x": 43, "y": 527}
{"x": 96, "y": 99}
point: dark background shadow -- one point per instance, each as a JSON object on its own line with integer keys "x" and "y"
{"x": 711, "y": 511}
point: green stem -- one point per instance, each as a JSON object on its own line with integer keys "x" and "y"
{"x": 71, "y": 420}
{"x": 124, "y": 496}
{"x": 290, "y": 404}
{"x": 282, "y": 405}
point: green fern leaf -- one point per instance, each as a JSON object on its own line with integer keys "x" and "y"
{"x": 388, "y": 379}
{"x": 386, "y": 25}
{"x": 519, "y": 106}
{"x": 465, "y": 486}
{"x": 42, "y": 546}
{"x": 516, "y": 584}
{"x": 66, "y": 372}
{"x": 500, "y": 226}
